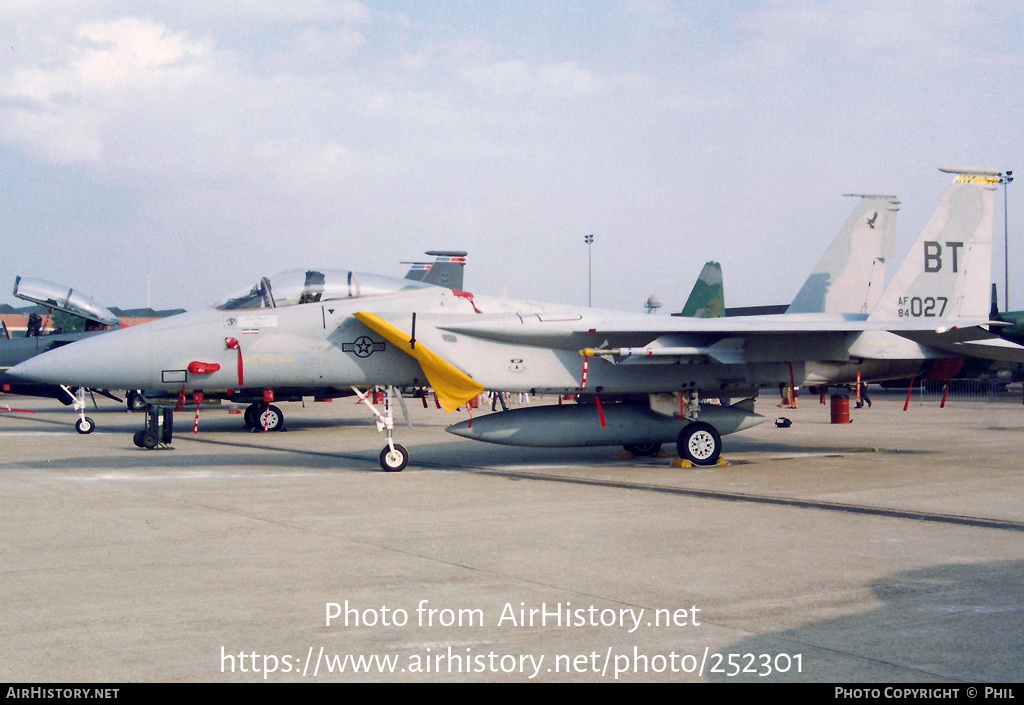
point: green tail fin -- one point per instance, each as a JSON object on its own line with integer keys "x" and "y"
{"x": 707, "y": 298}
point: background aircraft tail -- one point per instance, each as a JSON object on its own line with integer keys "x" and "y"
{"x": 948, "y": 270}
{"x": 850, "y": 275}
{"x": 446, "y": 269}
{"x": 707, "y": 298}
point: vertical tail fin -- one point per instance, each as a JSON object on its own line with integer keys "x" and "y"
{"x": 707, "y": 298}
{"x": 446, "y": 269}
{"x": 949, "y": 268}
{"x": 850, "y": 275}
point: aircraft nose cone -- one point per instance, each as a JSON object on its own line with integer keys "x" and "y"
{"x": 99, "y": 362}
{"x": 38, "y": 370}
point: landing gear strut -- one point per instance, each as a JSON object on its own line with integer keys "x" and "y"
{"x": 84, "y": 424}
{"x": 394, "y": 457}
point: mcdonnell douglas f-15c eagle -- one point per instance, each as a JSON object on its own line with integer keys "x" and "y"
{"x": 289, "y": 288}
{"x": 292, "y": 288}
{"x": 648, "y": 373}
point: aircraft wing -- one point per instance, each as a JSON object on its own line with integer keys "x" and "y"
{"x": 971, "y": 341}
{"x": 730, "y": 341}
{"x": 523, "y": 329}
{"x": 965, "y": 339}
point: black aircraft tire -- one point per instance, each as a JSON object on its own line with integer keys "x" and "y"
{"x": 271, "y": 416}
{"x": 394, "y": 462}
{"x": 136, "y": 402}
{"x": 643, "y": 450}
{"x": 699, "y": 443}
{"x": 85, "y": 425}
{"x": 249, "y": 416}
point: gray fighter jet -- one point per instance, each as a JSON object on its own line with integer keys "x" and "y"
{"x": 298, "y": 287}
{"x": 14, "y": 350}
{"x": 642, "y": 376}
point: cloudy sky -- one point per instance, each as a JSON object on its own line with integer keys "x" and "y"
{"x": 199, "y": 145}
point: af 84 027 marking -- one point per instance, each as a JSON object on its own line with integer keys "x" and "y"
{"x": 923, "y": 307}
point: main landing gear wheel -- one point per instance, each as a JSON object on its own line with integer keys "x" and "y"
{"x": 643, "y": 450}
{"x": 85, "y": 425}
{"x": 699, "y": 443}
{"x": 394, "y": 461}
{"x": 135, "y": 401}
{"x": 269, "y": 418}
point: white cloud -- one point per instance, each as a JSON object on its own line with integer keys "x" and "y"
{"x": 665, "y": 12}
{"x": 59, "y": 109}
{"x": 319, "y": 49}
{"x": 214, "y": 124}
{"x": 292, "y": 11}
{"x": 67, "y": 138}
{"x": 297, "y": 166}
{"x": 209, "y": 13}
{"x": 504, "y": 77}
{"x": 130, "y": 54}
{"x": 518, "y": 79}
{"x": 567, "y": 77}
{"x": 915, "y": 34}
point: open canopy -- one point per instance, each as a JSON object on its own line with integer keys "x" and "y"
{"x": 62, "y": 298}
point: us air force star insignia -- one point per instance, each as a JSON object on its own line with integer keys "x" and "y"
{"x": 363, "y": 346}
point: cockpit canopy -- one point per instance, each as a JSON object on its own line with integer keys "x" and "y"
{"x": 62, "y": 298}
{"x": 306, "y": 286}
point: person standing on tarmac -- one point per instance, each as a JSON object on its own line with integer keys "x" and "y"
{"x": 863, "y": 394}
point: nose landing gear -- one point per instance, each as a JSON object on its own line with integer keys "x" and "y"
{"x": 394, "y": 457}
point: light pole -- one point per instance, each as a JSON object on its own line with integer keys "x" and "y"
{"x": 589, "y": 239}
{"x": 1006, "y": 178}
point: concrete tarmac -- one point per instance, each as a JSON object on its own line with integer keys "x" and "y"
{"x": 888, "y": 550}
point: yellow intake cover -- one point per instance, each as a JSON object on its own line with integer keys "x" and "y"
{"x": 453, "y": 387}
